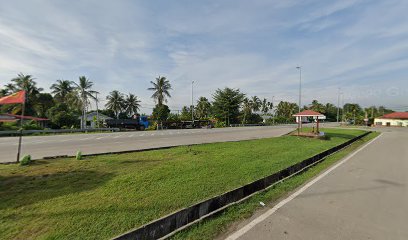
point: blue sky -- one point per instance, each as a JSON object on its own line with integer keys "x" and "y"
{"x": 360, "y": 46}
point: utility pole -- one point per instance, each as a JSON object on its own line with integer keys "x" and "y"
{"x": 192, "y": 102}
{"x": 97, "y": 111}
{"x": 300, "y": 98}
{"x": 338, "y": 105}
{"x": 273, "y": 113}
{"x": 300, "y": 86}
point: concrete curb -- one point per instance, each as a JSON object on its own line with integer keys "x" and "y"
{"x": 174, "y": 222}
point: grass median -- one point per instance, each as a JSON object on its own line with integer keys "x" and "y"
{"x": 103, "y": 196}
{"x": 220, "y": 226}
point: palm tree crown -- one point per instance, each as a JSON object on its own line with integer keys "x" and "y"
{"x": 255, "y": 103}
{"x": 84, "y": 88}
{"x": 116, "y": 102}
{"x": 85, "y": 92}
{"x": 61, "y": 89}
{"x": 26, "y": 83}
{"x": 161, "y": 90}
{"x": 132, "y": 104}
{"x": 203, "y": 108}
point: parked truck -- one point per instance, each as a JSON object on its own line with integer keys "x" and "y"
{"x": 137, "y": 122}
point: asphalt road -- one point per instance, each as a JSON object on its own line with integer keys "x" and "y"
{"x": 366, "y": 197}
{"x": 56, "y": 145}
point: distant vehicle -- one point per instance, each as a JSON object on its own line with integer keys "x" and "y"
{"x": 137, "y": 122}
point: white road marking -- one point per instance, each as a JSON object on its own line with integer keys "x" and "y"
{"x": 85, "y": 138}
{"x": 264, "y": 216}
{"x": 118, "y": 136}
{"x": 131, "y": 135}
{"x": 141, "y": 135}
{"x": 99, "y": 138}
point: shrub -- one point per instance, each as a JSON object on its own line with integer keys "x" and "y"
{"x": 220, "y": 124}
{"x": 152, "y": 126}
{"x": 79, "y": 155}
{"x": 25, "y": 160}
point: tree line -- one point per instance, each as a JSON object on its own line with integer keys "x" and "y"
{"x": 69, "y": 101}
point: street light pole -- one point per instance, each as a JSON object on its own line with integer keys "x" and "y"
{"x": 273, "y": 113}
{"x": 338, "y": 106}
{"x": 97, "y": 111}
{"x": 300, "y": 86}
{"x": 192, "y": 102}
{"x": 300, "y": 97}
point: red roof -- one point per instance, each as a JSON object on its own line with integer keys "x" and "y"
{"x": 396, "y": 115}
{"x": 308, "y": 113}
{"x": 8, "y": 120}
{"x": 26, "y": 117}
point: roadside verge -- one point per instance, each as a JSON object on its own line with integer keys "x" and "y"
{"x": 171, "y": 223}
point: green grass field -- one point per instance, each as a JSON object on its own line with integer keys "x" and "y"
{"x": 222, "y": 225}
{"x": 101, "y": 197}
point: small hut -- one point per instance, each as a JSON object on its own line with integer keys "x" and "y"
{"x": 305, "y": 116}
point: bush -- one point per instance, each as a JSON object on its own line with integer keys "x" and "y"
{"x": 31, "y": 125}
{"x": 9, "y": 126}
{"x": 79, "y": 155}
{"x": 152, "y": 126}
{"x": 26, "y": 160}
{"x": 219, "y": 124}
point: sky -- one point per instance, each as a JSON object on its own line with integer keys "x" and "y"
{"x": 356, "y": 47}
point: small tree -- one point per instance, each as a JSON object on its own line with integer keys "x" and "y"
{"x": 226, "y": 104}
{"x": 161, "y": 113}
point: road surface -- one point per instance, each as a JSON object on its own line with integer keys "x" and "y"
{"x": 366, "y": 197}
{"x": 56, "y": 145}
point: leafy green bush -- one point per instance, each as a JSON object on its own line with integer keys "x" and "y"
{"x": 31, "y": 125}
{"x": 152, "y": 126}
{"x": 9, "y": 126}
{"x": 26, "y": 160}
{"x": 220, "y": 124}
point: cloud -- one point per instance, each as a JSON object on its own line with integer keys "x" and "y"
{"x": 254, "y": 46}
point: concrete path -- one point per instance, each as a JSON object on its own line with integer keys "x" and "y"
{"x": 44, "y": 146}
{"x": 366, "y": 197}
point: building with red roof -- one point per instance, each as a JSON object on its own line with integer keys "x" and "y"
{"x": 396, "y": 119}
{"x": 304, "y": 115}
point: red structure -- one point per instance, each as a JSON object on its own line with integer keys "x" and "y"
{"x": 6, "y": 117}
{"x": 304, "y": 115}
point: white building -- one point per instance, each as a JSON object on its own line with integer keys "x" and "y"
{"x": 395, "y": 119}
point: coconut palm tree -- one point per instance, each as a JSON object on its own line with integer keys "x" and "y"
{"x": 61, "y": 89}
{"x": 26, "y": 83}
{"x": 4, "y": 92}
{"x": 116, "y": 102}
{"x": 266, "y": 106}
{"x": 10, "y": 88}
{"x": 132, "y": 104}
{"x": 202, "y": 109}
{"x": 246, "y": 109}
{"x": 255, "y": 103}
{"x": 161, "y": 90}
{"x": 85, "y": 92}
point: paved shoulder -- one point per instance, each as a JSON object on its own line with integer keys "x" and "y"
{"x": 364, "y": 198}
